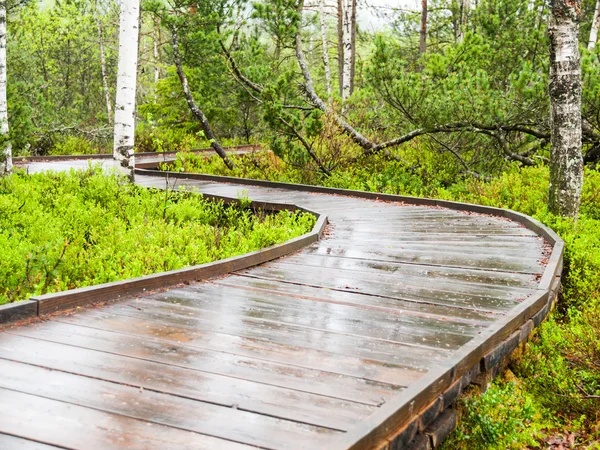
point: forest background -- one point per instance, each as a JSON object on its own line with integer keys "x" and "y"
{"x": 450, "y": 101}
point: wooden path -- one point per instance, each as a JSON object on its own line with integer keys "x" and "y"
{"x": 360, "y": 340}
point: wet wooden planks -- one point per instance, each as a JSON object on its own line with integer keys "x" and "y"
{"x": 290, "y": 354}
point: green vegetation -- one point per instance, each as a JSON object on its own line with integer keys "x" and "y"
{"x": 61, "y": 231}
{"x": 555, "y": 388}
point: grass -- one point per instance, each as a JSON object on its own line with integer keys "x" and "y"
{"x": 61, "y": 231}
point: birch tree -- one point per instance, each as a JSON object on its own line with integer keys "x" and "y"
{"x": 347, "y": 45}
{"x": 566, "y": 161}
{"x": 6, "y": 158}
{"x": 103, "y": 69}
{"x": 325, "y": 50}
{"x": 126, "y": 84}
{"x": 595, "y": 27}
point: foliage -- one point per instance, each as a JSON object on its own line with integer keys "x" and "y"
{"x": 60, "y": 231}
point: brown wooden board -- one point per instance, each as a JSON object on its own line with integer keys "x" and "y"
{"x": 226, "y": 391}
{"x": 75, "y": 427}
{"x": 174, "y": 354}
{"x": 8, "y": 442}
{"x": 157, "y": 408}
{"x": 384, "y": 351}
{"x": 293, "y": 354}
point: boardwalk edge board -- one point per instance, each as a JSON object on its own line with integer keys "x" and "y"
{"x": 400, "y": 425}
{"x": 171, "y": 153}
{"x": 49, "y": 303}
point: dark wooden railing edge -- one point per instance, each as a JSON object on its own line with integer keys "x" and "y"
{"x": 30, "y": 159}
{"x": 397, "y": 423}
{"x": 45, "y": 304}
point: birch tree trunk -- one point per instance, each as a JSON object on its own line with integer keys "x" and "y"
{"x": 104, "y": 73}
{"x": 340, "y": 47}
{"x": 6, "y": 159}
{"x": 595, "y": 27}
{"x": 566, "y": 161}
{"x": 325, "y": 51}
{"x": 347, "y": 41}
{"x": 126, "y": 85}
{"x": 156, "y": 39}
{"x": 353, "y": 46}
{"x": 423, "y": 42}
{"x": 196, "y": 111}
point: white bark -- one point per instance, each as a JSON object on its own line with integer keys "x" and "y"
{"x": 156, "y": 39}
{"x": 104, "y": 73}
{"x": 595, "y": 27}
{"x": 126, "y": 84}
{"x": 347, "y": 63}
{"x": 325, "y": 50}
{"x": 566, "y": 161}
{"x": 6, "y": 160}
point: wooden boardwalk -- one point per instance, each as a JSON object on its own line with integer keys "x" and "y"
{"x": 340, "y": 345}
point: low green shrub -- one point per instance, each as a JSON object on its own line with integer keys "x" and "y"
{"x": 65, "y": 230}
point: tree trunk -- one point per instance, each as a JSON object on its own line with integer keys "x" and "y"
{"x": 566, "y": 161}
{"x": 595, "y": 27}
{"x": 340, "y": 47}
{"x": 325, "y": 50}
{"x": 156, "y": 39}
{"x": 6, "y": 158}
{"x": 353, "y": 46}
{"x": 126, "y": 85}
{"x": 347, "y": 41}
{"x": 464, "y": 19}
{"x": 196, "y": 111}
{"x": 423, "y": 43}
{"x": 104, "y": 73}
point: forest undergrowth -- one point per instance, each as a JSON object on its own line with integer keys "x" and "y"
{"x": 61, "y": 231}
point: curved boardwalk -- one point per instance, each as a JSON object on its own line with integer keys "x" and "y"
{"x": 340, "y": 345}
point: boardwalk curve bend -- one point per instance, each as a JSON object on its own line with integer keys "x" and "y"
{"x": 360, "y": 340}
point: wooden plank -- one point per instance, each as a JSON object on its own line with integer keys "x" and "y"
{"x": 71, "y": 426}
{"x": 421, "y": 358}
{"x": 264, "y": 349}
{"x": 352, "y": 268}
{"x": 462, "y": 277}
{"x": 274, "y": 374}
{"x": 12, "y": 312}
{"x": 352, "y": 298}
{"x": 389, "y": 290}
{"x": 454, "y": 260}
{"x": 341, "y": 319}
{"x": 221, "y": 390}
{"x": 181, "y": 413}
{"x": 8, "y": 442}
